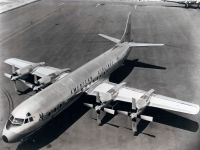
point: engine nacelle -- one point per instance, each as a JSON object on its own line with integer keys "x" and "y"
{"x": 24, "y": 70}
{"x": 45, "y": 80}
{"x": 28, "y": 69}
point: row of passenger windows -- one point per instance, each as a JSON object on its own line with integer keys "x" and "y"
{"x": 51, "y": 112}
{"x": 90, "y": 80}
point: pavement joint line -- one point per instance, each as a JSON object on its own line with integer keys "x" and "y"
{"x": 27, "y": 27}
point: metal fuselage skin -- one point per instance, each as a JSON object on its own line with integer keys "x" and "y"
{"x": 48, "y": 103}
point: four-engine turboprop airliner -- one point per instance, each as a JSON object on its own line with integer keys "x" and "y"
{"x": 92, "y": 79}
{"x": 187, "y": 3}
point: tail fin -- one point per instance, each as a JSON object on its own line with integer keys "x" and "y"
{"x": 127, "y": 32}
{"x": 127, "y": 36}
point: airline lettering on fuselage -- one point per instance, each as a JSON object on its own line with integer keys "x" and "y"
{"x": 44, "y": 116}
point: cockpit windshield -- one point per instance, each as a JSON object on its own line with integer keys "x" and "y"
{"x": 18, "y": 121}
{"x": 14, "y": 122}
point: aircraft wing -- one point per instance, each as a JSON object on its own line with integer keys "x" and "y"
{"x": 175, "y": 1}
{"x": 39, "y": 71}
{"x": 18, "y": 63}
{"x": 125, "y": 94}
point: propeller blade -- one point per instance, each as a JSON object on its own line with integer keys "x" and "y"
{"x": 122, "y": 112}
{"x": 8, "y": 75}
{"x": 35, "y": 79}
{"x": 98, "y": 97}
{"x": 88, "y": 105}
{"x": 147, "y": 118}
{"x": 98, "y": 118}
{"x": 134, "y": 104}
{"x": 135, "y": 123}
{"x": 15, "y": 86}
{"x": 13, "y": 69}
{"x": 110, "y": 111}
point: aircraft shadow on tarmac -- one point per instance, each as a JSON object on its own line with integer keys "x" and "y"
{"x": 172, "y": 6}
{"x": 181, "y": 6}
{"x": 171, "y": 119}
{"x": 159, "y": 116}
{"x": 122, "y": 72}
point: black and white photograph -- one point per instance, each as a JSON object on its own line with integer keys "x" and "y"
{"x": 99, "y": 74}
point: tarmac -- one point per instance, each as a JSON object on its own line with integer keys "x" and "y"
{"x": 65, "y": 34}
{"x": 8, "y": 5}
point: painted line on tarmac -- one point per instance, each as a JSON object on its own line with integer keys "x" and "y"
{"x": 29, "y": 26}
{"x": 9, "y": 99}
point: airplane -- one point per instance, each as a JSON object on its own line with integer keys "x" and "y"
{"x": 187, "y": 3}
{"x": 100, "y": 4}
{"x": 92, "y": 79}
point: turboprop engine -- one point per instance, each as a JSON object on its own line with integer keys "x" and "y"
{"x": 16, "y": 74}
{"x": 49, "y": 79}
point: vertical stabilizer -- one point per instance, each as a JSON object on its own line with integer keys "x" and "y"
{"x": 127, "y": 32}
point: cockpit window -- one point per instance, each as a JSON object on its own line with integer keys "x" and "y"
{"x": 18, "y": 121}
{"x": 11, "y": 118}
{"x": 26, "y": 120}
{"x": 28, "y": 114}
{"x": 31, "y": 119}
{"x": 14, "y": 122}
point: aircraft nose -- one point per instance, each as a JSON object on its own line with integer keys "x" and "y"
{"x": 10, "y": 137}
{"x": 5, "y": 139}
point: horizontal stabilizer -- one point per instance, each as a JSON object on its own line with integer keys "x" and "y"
{"x": 133, "y": 44}
{"x": 109, "y": 38}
